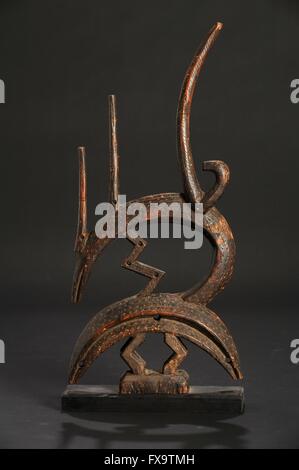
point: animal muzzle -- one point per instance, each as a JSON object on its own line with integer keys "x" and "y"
{"x": 81, "y": 275}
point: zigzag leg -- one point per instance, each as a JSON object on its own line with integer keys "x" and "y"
{"x": 131, "y": 263}
{"x": 131, "y": 357}
{"x": 180, "y": 352}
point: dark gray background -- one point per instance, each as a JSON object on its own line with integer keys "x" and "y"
{"x": 59, "y": 61}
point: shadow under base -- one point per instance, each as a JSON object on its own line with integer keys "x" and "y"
{"x": 105, "y": 398}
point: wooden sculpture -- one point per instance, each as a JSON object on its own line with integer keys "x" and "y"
{"x": 182, "y": 315}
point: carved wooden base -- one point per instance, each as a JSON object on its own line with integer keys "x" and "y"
{"x": 154, "y": 382}
{"x": 228, "y": 401}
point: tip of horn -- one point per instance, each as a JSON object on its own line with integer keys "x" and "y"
{"x": 81, "y": 151}
{"x": 219, "y": 25}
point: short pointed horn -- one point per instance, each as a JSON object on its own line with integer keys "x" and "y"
{"x": 114, "y": 155}
{"x": 192, "y": 188}
{"x": 82, "y": 207}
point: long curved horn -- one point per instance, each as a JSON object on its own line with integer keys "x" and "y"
{"x": 191, "y": 185}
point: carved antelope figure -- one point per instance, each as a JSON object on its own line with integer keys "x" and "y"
{"x": 176, "y": 315}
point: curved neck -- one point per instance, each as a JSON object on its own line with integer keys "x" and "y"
{"x": 192, "y": 187}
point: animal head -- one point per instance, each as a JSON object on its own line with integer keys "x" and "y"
{"x": 88, "y": 246}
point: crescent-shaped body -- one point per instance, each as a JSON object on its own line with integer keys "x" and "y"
{"x": 165, "y": 313}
